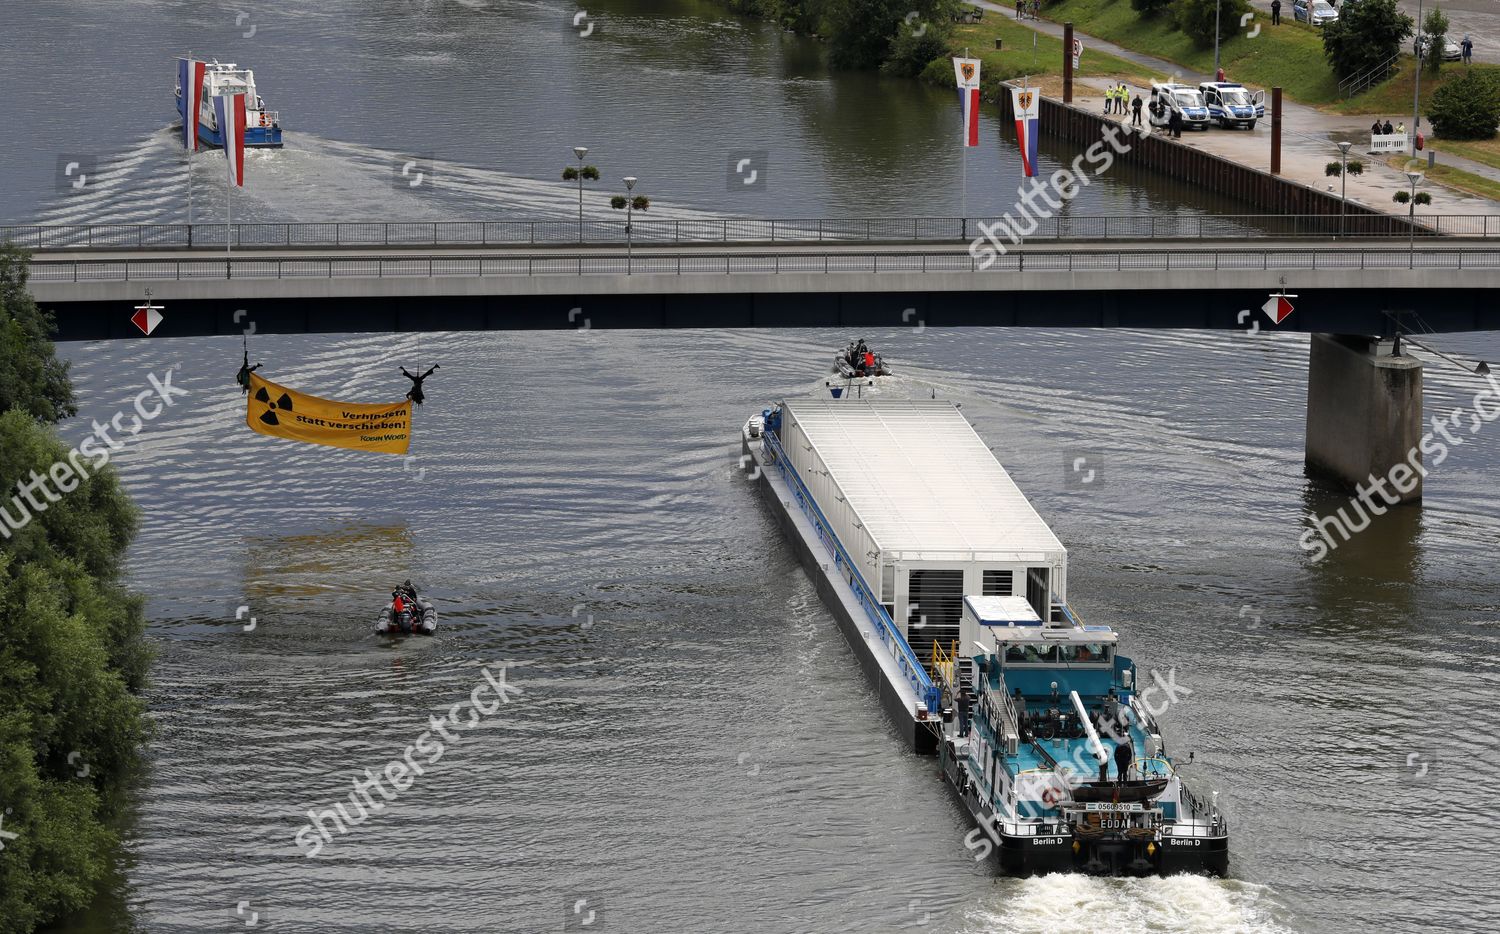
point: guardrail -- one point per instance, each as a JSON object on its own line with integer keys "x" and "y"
{"x": 690, "y": 264}
{"x": 728, "y": 230}
{"x": 890, "y": 636}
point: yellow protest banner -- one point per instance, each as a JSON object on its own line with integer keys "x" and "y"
{"x": 286, "y": 413}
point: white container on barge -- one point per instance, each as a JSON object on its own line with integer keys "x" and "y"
{"x": 899, "y": 510}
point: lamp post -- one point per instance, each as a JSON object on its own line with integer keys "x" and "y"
{"x": 1416, "y": 95}
{"x": 1344, "y": 181}
{"x": 1411, "y": 262}
{"x": 630, "y": 181}
{"x": 580, "y": 152}
{"x": 1218, "y": 8}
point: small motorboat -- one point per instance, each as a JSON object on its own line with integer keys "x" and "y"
{"x": 407, "y": 614}
{"x": 1133, "y": 790}
{"x": 858, "y": 360}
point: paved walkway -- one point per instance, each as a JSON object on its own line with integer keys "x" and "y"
{"x": 1309, "y": 137}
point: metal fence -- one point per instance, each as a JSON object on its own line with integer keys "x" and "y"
{"x": 730, "y": 230}
{"x": 811, "y": 262}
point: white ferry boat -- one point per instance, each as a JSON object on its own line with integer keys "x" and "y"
{"x": 262, "y": 126}
{"x": 952, "y": 591}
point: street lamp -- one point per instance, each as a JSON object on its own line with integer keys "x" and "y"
{"x": 629, "y": 204}
{"x": 1416, "y": 94}
{"x": 581, "y": 173}
{"x": 1218, "y": 8}
{"x": 1344, "y": 180}
{"x": 1411, "y": 221}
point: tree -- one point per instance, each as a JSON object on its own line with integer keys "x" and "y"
{"x": 31, "y": 376}
{"x": 1149, "y": 8}
{"x": 72, "y": 655}
{"x": 921, "y": 39}
{"x": 1467, "y": 107}
{"x": 1366, "y": 35}
{"x": 1196, "y": 19}
{"x": 860, "y": 31}
{"x": 1436, "y": 29}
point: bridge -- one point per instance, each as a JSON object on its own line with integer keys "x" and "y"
{"x": 1084, "y": 271}
{"x": 1353, "y": 277}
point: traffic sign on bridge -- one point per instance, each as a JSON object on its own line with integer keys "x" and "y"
{"x": 147, "y": 317}
{"x": 1277, "y": 308}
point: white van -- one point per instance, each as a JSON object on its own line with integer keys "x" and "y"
{"x": 1182, "y": 98}
{"x": 1230, "y": 104}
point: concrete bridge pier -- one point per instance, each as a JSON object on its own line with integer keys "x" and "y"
{"x": 1364, "y": 417}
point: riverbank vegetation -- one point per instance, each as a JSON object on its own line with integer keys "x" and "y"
{"x": 73, "y": 659}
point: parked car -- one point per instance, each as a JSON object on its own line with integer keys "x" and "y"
{"x": 1451, "y": 50}
{"x": 1316, "y": 12}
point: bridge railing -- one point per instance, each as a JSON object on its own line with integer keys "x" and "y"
{"x": 728, "y": 230}
{"x": 1154, "y": 260}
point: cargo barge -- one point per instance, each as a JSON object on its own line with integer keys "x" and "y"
{"x": 952, "y": 591}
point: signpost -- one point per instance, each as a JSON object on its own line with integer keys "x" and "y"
{"x": 147, "y": 316}
{"x": 1277, "y": 308}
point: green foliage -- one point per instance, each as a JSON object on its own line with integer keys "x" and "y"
{"x": 638, "y": 203}
{"x": 1333, "y": 169}
{"x": 617, "y": 202}
{"x": 589, "y": 173}
{"x": 1365, "y": 35}
{"x": 72, "y": 655}
{"x": 1196, "y": 18}
{"x": 1356, "y": 167}
{"x": 1436, "y": 28}
{"x": 860, "y": 31}
{"x": 1149, "y": 8}
{"x": 1467, "y": 107}
{"x": 31, "y": 377}
{"x": 1424, "y": 198}
{"x": 918, "y": 44}
{"x": 1401, "y": 197}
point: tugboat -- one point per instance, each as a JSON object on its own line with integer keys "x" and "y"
{"x": 858, "y": 361}
{"x": 262, "y": 126}
{"x": 1053, "y": 747}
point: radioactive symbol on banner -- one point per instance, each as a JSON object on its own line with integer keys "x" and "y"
{"x": 269, "y": 415}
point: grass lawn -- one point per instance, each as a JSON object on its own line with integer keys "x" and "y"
{"x": 1484, "y": 150}
{"x": 1393, "y": 97}
{"x": 1289, "y": 55}
{"x": 1454, "y": 178}
{"x": 1016, "y": 57}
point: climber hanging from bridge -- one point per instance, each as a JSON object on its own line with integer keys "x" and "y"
{"x": 243, "y": 376}
{"x": 415, "y": 393}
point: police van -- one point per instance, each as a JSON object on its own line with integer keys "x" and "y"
{"x": 1230, "y": 104}
{"x": 1181, "y": 98}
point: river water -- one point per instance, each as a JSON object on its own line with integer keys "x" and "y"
{"x": 694, "y": 748}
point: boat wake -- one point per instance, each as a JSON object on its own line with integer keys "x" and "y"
{"x": 316, "y": 179}
{"x": 1063, "y": 904}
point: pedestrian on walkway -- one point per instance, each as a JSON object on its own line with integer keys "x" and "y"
{"x": 1020, "y": 9}
{"x": 1468, "y": 47}
{"x": 1401, "y": 128}
{"x": 1386, "y": 128}
{"x": 1375, "y": 127}
{"x": 1036, "y": 9}
{"x": 1275, "y": 12}
{"x": 1135, "y": 111}
{"x": 1174, "y": 123}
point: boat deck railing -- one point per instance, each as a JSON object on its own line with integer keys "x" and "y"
{"x": 890, "y": 636}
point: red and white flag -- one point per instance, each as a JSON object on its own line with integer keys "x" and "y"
{"x": 190, "y": 79}
{"x": 966, "y": 70}
{"x": 230, "y": 112}
{"x": 1026, "y": 102}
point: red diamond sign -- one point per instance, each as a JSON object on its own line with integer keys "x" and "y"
{"x": 1277, "y": 308}
{"x": 146, "y": 317}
